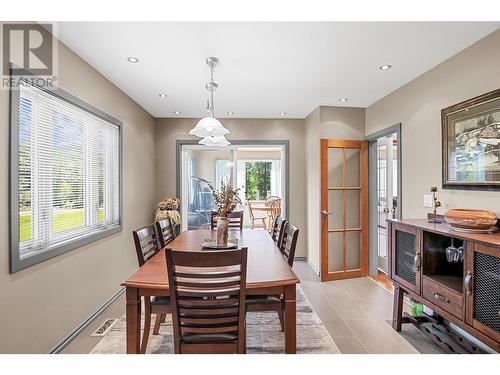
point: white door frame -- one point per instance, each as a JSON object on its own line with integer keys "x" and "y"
{"x": 285, "y": 170}
{"x": 372, "y": 188}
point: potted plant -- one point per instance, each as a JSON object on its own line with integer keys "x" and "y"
{"x": 226, "y": 199}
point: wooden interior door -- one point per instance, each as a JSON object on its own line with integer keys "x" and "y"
{"x": 344, "y": 209}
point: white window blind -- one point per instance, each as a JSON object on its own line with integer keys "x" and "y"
{"x": 69, "y": 172}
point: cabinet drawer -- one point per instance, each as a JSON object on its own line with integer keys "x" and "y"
{"x": 443, "y": 297}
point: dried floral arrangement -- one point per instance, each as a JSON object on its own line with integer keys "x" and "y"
{"x": 169, "y": 203}
{"x": 168, "y": 207}
{"x": 226, "y": 198}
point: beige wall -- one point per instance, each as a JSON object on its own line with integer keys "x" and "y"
{"x": 417, "y": 105}
{"x": 325, "y": 123}
{"x": 42, "y": 304}
{"x": 312, "y": 125}
{"x": 167, "y": 131}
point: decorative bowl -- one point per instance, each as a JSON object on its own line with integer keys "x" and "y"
{"x": 465, "y": 218}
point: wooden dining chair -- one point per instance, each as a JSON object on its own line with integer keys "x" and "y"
{"x": 274, "y": 211}
{"x": 235, "y": 220}
{"x": 165, "y": 231}
{"x": 207, "y": 289}
{"x": 276, "y": 303}
{"x": 277, "y": 231}
{"x": 289, "y": 242}
{"x": 270, "y": 200}
{"x": 146, "y": 246}
{"x": 253, "y": 219}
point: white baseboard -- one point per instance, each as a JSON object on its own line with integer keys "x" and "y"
{"x": 65, "y": 342}
{"x": 315, "y": 269}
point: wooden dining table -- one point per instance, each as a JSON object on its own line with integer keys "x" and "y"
{"x": 268, "y": 273}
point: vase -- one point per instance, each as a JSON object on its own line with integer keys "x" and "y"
{"x": 222, "y": 230}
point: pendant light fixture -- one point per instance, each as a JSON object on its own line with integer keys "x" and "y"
{"x": 214, "y": 141}
{"x": 209, "y": 128}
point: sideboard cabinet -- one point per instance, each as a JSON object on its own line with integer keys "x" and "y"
{"x": 465, "y": 293}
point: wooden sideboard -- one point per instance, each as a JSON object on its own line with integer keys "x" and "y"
{"x": 466, "y": 293}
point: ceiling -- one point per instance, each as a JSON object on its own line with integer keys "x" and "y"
{"x": 265, "y": 68}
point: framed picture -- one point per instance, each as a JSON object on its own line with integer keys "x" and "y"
{"x": 471, "y": 143}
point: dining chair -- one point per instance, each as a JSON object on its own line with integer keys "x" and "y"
{"x": 235, "y": 220}
{"x": 270, "y": 200}
{"x": 289, "y": 242}
{"x": 274, "y": 211}
{"x": 165, "y": 231}
{"x": 276, "y": 303}
{"x": 207, "y": 290}
{"x": 253, "y": 219}
{"x": 277, "y": 231}
{"x": 146, "y": 246}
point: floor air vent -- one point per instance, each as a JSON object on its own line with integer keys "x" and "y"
{"x": 104, "y": 327}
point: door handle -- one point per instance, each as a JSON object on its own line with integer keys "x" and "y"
{"x": 386, "y": 210}
{"x": 325, "y": 213}
{"x": 416, "y": 263}
{"x": 468, "y": 283}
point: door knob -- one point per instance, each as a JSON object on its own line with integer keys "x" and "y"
{"x": 386, "y": 210}
{"x": 324, "y": 213}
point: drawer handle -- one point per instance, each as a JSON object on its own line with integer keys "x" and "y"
{"x": 439, "y": 297}
{"x": 468, "y": 283}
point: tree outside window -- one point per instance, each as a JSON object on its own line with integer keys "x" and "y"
{"x": 257, "y": 179}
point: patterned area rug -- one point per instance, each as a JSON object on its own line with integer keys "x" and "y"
{"x": 264, "y": 334}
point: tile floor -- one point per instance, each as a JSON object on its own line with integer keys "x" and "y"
{"x": 355, "y": 312}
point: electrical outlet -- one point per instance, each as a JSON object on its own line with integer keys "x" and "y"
{"x": 428, "y": 200}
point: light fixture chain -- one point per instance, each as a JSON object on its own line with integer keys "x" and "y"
{"x": 211, "y": 89}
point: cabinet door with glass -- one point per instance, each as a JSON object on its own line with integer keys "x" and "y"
{"x": 482, "y": 286}
{"x": 406, "y": 256}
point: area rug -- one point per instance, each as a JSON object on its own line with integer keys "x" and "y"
{"x": 264, "y": 335}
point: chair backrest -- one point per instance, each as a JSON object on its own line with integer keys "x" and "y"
{"x": 165, "y": 232}
{"x": 277, "y": 231}
{"x": 207, "y": 290}
{"x": 250, "y": 210}
{"x": 145, "y": 243}
{"x": 276, "y": 207}
{"x": 289, "y": 242}
{"x": 235, "y": 220}
{"x": 270, "y": 200}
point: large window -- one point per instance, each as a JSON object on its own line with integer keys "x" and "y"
{"x": 65, "y": 175}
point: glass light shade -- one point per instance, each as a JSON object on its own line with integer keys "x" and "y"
{"x": 220, "y": 141}
{"x": 208, "y": 127}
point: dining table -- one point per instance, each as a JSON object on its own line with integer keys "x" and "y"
{"x": 268, "y": 273}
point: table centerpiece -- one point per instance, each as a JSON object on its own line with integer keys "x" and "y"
{"x": 226, "y": 199}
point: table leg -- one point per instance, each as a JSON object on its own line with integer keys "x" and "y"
{"x": 290, "y": 319}
{"x": 397, "y": 308}
{"x": 133, "y": 320}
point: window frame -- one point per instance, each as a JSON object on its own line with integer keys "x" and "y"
{"x": 16, "y": 263}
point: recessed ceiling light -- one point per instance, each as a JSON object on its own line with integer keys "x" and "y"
{"x": 282, "y": 113}
{"x": 162, "y": 95}
{"x": 132, "y": 59}
{"x": 177, "y": 112}
{"x": 343, "y": 99}
{"x": 385, "y": 67}
{"x": 230, "y": 113}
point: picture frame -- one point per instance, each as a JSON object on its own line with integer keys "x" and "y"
{"x": 471, "y": 143}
